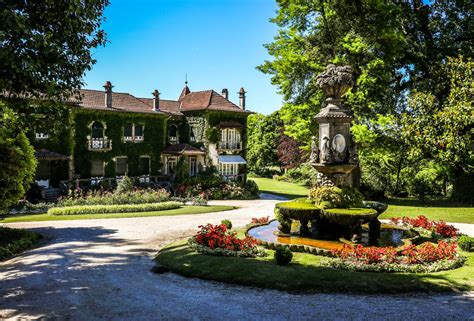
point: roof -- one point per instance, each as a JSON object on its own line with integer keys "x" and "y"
{"x": 231, "y": 159}
{"x": 188, "y": 101}
{"x": 208, "y": 100}
{"x": 44, "y": 154}
{"x": 121, "y": 102}
{"x": 183, "y": 149}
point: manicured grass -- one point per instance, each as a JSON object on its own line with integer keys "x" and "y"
{"x": 15, "y": 241}
{"x": 434, "y": 210}
{"x": 180, "y": 211}
{"x": 288, "y": 190}
{"x": 306, "y": 273}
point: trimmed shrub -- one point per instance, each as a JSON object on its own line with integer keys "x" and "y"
{"x": 227, "y": 223}
{"x": 329, "y": 196}
{"x": 283, "y": 255}
{"x": 466, "y": 243}
{"x": 298, "y": 209}
{"x": 103, "y": 209}
{"x": 14, "y": 241}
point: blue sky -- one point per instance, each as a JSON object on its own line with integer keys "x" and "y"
{"x": 218, "y": 43}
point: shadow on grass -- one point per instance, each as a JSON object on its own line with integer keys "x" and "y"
{"x": 305, "y": 274}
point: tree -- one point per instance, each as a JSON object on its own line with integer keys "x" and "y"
{"x": 17, "y": 161}
{"x": 442, "y": 129}
{"x": 46, "y": 46}
{"x": 262, "y": 140}
{"x": 45, "y": 51}
{"x": 290, "y": 154}
{"x": 394, "y": 47}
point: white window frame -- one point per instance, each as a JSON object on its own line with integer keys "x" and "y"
{"x": 103, "y": 168}
{"x": 149, "y": 164}
{"x": 193, "y": 165}
{"x": 173, "y": 160}
{"x": 231, "y": 138}
{"x": 134, "y": 138}
{"x": 116, "y": 164}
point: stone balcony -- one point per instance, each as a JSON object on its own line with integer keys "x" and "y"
{"x": 99, "y": 144}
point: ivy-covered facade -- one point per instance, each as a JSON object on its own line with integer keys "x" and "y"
{"x": 105, "y": 135}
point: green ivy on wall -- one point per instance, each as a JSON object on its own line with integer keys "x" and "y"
{"x": 155, "y": 134}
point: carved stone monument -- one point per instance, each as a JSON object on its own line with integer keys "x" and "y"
{"x": 334, "y": 157}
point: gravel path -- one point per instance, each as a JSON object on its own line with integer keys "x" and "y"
{"x": 100, "y": 270}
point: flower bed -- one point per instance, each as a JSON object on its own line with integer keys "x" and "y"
{"x": 99, "y": 197}
{"x": 438, "y": 229}
{"x": 426, "y": 257}
{"x": 218, "y": 240}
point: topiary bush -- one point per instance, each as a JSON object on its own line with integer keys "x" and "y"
{"x": 466, "y": 243}
{"x": 332, "y": 197}
{"x": 283, "y": 255}
{"x": 227, "y": 223}
{"x": 299, "y": 209}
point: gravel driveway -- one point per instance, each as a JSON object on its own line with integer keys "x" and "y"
{"x": 100, "y": 270}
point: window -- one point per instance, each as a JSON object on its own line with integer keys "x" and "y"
{"x": 138, "y": 135}
{"x": 171, "y": 163}
{"x": 144, "y": 165}
{"x": 128, "y": 132}
{"x": 193, "y": 166}
{"x": 230, "y": 138}
{"x": 226, "y": 169}
{"x": 133, "y": 133}
{"x": 173, "y": 134}
{"x": 97, "y": 168}
{"x": 97, "y": 130}
{"x": 121, "y": 165}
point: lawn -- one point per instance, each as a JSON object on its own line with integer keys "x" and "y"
{"x": 180, "y": 211}
{"x": 307, "y": 274}
{"x": 434, "y": 209}
{"x": 288, "y": 190}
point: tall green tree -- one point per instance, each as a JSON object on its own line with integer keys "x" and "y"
{"x": 394, "y": 48}
{"x": 263, "y": 135}
{"x": 45, "y": 51}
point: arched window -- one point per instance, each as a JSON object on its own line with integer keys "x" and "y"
{"x": 139, "y": 130}
{"x": 97, "y": 130}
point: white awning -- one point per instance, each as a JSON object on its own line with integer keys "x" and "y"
{"x": 231, "y": 159}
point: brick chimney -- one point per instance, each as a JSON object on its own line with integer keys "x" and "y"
{"x": 242, "y": 98}
{"x": 156, "y": 100}
{"x": 225, "y": 93}
{"x": 108, "y": 94}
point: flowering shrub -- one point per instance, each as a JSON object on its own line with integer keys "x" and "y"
{"x": 426, "y": 257}
{"x": 440, "y": 228}
{"x": 260, "y": 220}
{"x": 217, "y": 240}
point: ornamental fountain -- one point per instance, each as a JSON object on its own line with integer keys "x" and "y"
{"x": 308, "y": 225}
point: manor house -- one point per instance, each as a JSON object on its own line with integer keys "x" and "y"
{"x": 109, "y": 134}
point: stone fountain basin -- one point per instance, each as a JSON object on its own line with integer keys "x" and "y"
{"x": 349, "y": 216}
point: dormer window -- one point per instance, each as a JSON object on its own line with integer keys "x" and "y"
{"x": 133, "y": 133}
{"x": 173, "y": 134}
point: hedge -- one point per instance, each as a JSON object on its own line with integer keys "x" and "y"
{"x": 14, "y": 241}
{"x": 103, "y": 209}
